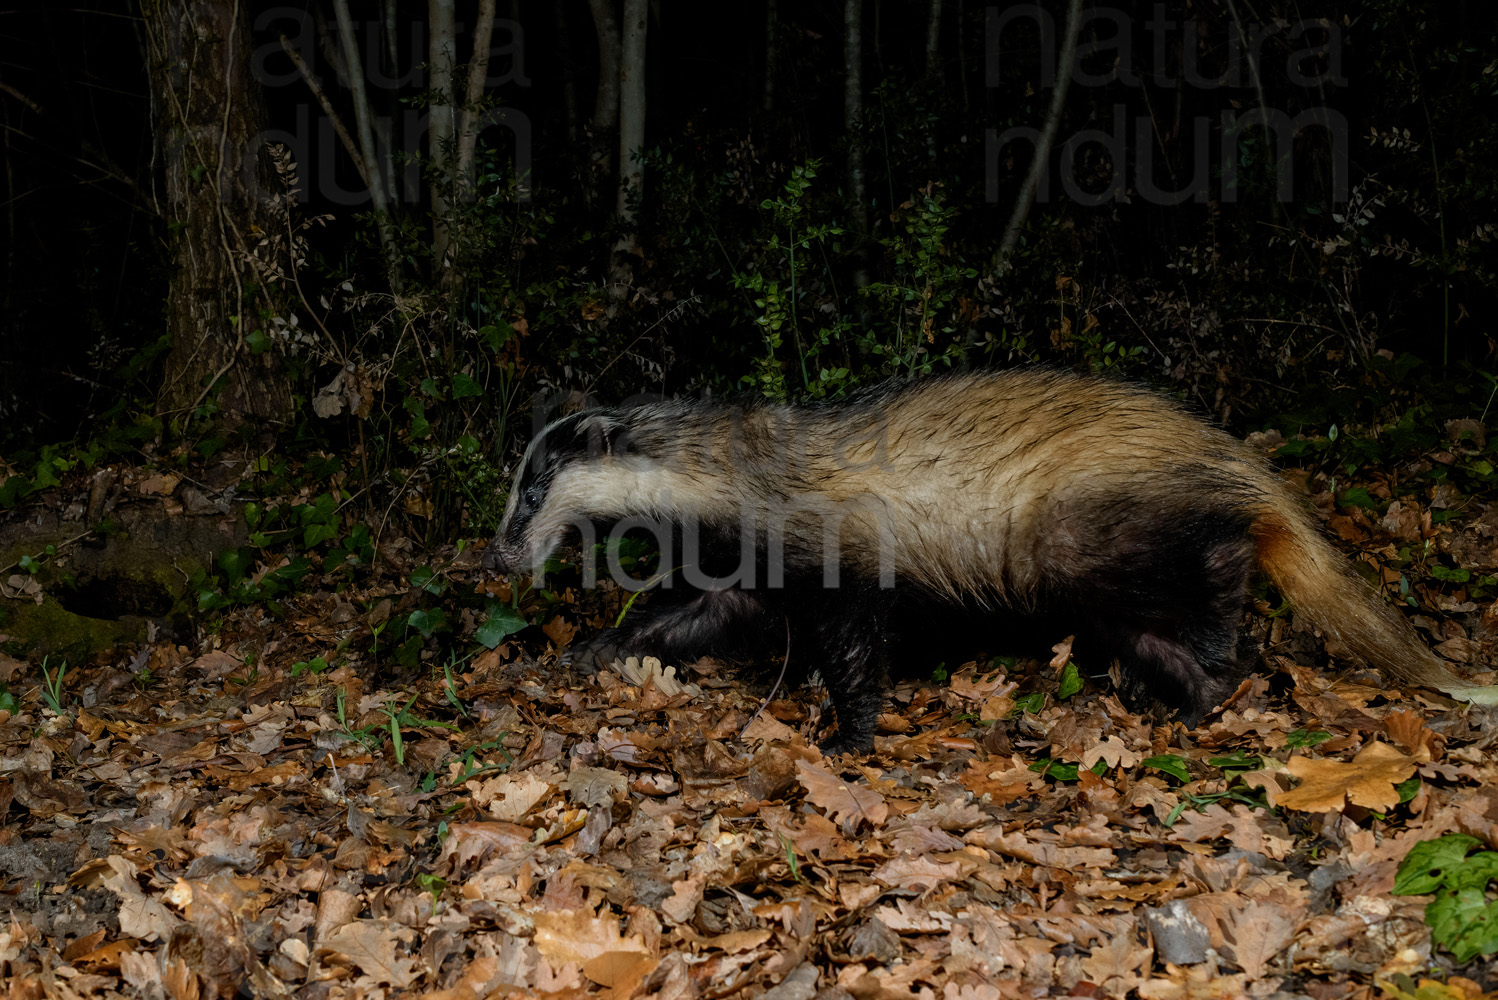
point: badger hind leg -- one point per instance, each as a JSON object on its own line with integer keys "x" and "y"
{"x": 1177, "y": 608}
{"x": 1191, "y": 676}
{"x": 679, "y": 625}
{"x": 847, "y": 639}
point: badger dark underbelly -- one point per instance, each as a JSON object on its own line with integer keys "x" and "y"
{"x": 1169, "y": 611}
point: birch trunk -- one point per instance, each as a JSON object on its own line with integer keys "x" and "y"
{"x": 364, "y": 120}
{"x": 933, "y": 40}
{"x": 473, "y": 96}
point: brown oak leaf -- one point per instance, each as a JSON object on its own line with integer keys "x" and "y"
{"x": 1367, "y": 780}
{"x": 844, "y": 802}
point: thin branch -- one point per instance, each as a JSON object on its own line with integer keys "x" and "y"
{"x": 1026, "y": 196}
{"x": 785, "y": 662}
{"x": 362, "y": 118}
{"x": 58, "y": 547}
{"x": 13, "y": 92}
{"x": 327, "y": 107}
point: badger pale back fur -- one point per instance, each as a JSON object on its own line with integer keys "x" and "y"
{"x": 1030, "y": 490}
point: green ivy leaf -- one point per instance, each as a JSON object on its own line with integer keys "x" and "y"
{"x": 425, "y": 578}
{"x": 1031, "y": 703}
{"x": 420, "y": 426}
{"x": 316, "y": 534}
{"x": 502, "y": 621}
{"x": 1358, "y": 497}
{"x": 496, "y": 335}
{"x": 1237, "y": 761}
{"x": 1465, "y": 922}
{"x": 1424, "y": 868}
{"x": 1171, "y": 764}
{"x": 464, "y": 386}
{"x": 427, "y": 622}
{"x": 1302, "y": 738}
{"x": 1071, "y": 681}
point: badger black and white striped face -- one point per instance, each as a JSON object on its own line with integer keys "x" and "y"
{"x": 539, "y": 514}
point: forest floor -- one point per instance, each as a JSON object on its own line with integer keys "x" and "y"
{"x": 274, "y": 808}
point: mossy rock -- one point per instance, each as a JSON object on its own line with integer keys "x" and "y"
{"x": 103, "y": 589}
{"x": 48, "y": 629}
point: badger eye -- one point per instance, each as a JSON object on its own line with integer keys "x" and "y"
{"x": 531, "y": 497}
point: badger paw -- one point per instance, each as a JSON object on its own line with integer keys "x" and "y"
{"x": 837, "y": 744}
{"x": 594, "y": 654}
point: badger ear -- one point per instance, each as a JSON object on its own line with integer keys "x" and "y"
{"x": 603, "y": 434}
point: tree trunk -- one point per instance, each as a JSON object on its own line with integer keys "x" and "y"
{"x": 933, "y": 40}
{"x": 852, "y": 110}
{"x": 207, "y": 121}
{"x": 962, "y": 54}
{"x": 606, "y": 100}
{"x": 388, "y": 33}
{"x": 933, "y": 68}
{"x": 441, "y": 25}
{"x": 569, "y": 74}
{"x": 771, "y": 27}
{"x": 473, "y": 96}
{"x": 374, "y": 164}
{"x": 7, "y": 301}
{"x": 631, "y": 133}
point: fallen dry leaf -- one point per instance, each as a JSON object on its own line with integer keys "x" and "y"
{"x": 374, "y": 947}
{"x": 1367, "y": 780}
{"x": 1255, "y": 933}
{"x": 206, "y": 819}
{"x": 845, "y": 803}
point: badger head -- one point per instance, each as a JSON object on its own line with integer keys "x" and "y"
{"x": 544, "y": 499}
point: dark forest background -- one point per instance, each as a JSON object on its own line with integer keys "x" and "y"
{"x": 1282, "y": 213}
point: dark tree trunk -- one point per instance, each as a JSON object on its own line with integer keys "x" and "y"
{"x": 771, "y": 27}
{"x": 207, "y": 120}
{"x": 442, "y": 57}
{"x": 852, "y": 112}
{"x": 606, "y": 102}
{"x": 569, "y": 73}
{"x": 631, "y": 137}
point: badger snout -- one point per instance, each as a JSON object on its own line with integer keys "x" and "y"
{"x": 498, "y": 557}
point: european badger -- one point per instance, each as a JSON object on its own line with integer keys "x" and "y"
{"x": 1031, "y": 490}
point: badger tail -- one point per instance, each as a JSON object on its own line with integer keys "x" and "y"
{"x": 1320, "y": 584}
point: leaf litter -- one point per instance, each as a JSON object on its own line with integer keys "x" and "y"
{"x": 281, "y": 812}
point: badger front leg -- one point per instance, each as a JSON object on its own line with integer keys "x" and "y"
{"x": 679, "y": 625}
{"x": 848, "y": 643}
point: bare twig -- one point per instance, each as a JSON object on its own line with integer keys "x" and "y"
{"x": 1026, "y": 196}
{"x": 13, "y": 92}
{"x": 774, "y": 688}
{"x": 364, "y": 121}
{"x": 327, "y": 107}
{"x": 56, "y": 548}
